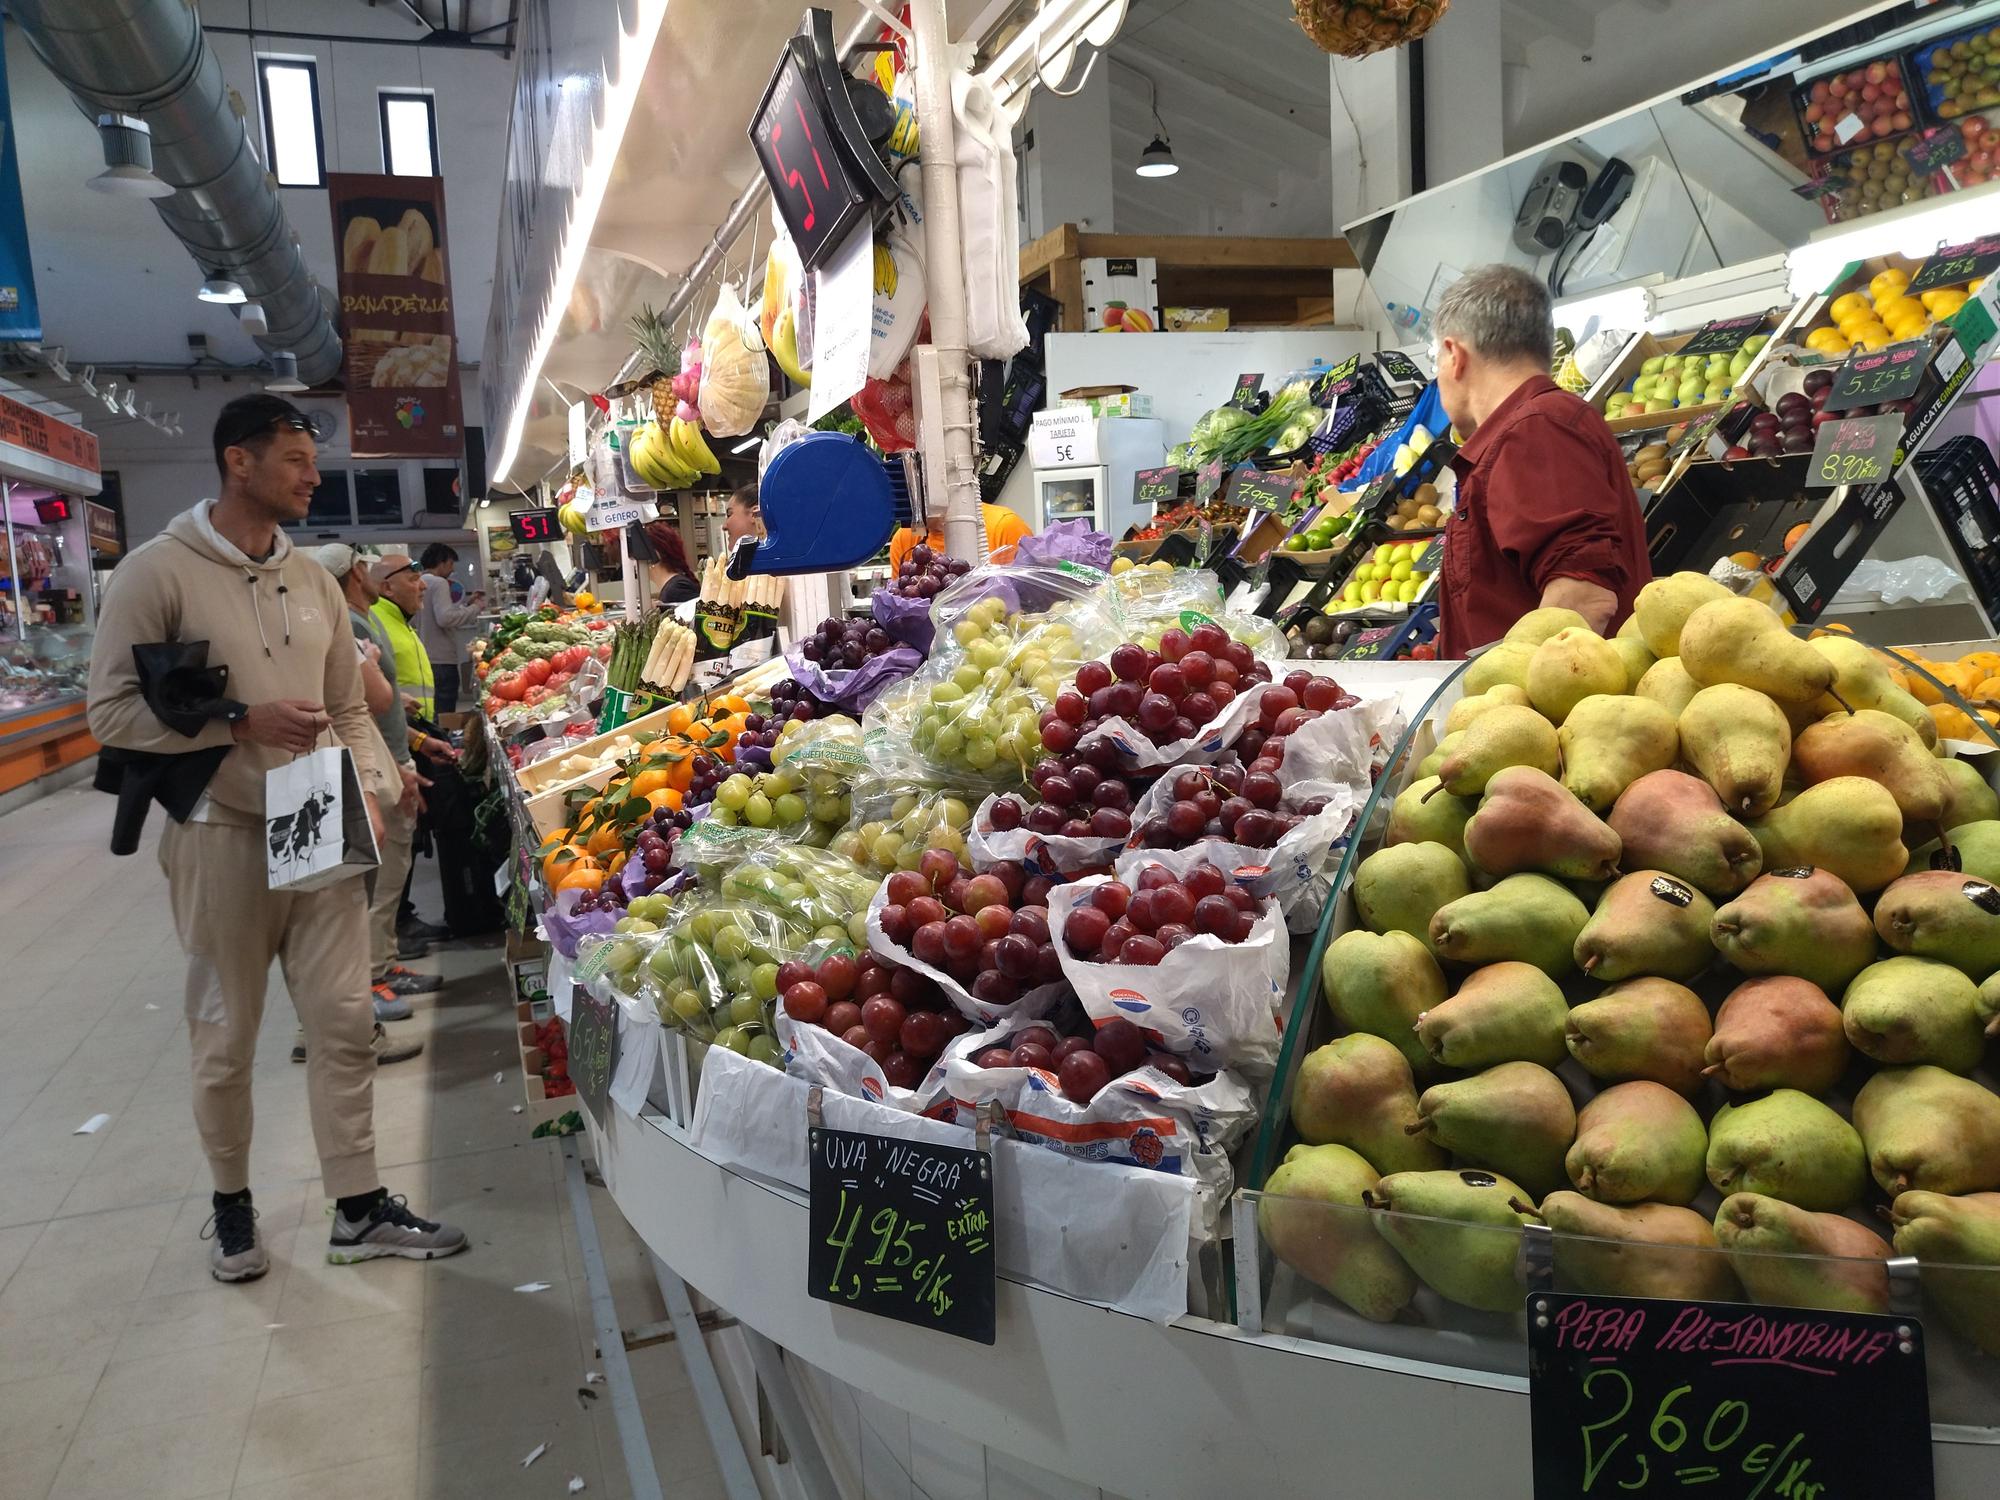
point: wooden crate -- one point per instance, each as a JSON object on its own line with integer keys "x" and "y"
{"x": 1648, "y": 346}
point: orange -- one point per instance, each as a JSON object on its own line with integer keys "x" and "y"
{"x": 607, "y": 840}
{"x": 1953, "y": 723}
{"x": 667, "y": 797}
{"x": 732, "y": 703}
{"x": 559, "y": 858}
{"x": 678, "y": 718}
{"x": 1797, "y": 534}
{"x": 650, "y": 780}
{"x": 617, "y": 861}
{"x": 582, "y": 877}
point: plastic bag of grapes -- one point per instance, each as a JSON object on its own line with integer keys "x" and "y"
{"x": 866, "y": 1028}
{"x": 895, "y": 819}
{"x": 1146, "y": 605}
{"x": 985, "y": 983}
{"x": 877, "y": 664}
{"x": 998, "y": 836}
{"x": 712, "y": 971}
{"x": 824, "y": 893}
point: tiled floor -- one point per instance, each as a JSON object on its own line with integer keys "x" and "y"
{"x": 126, "y": 1372}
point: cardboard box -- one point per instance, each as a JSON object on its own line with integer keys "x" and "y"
{"x": 1197, "y": 319}
{"x": 1121, "y": 294}
{"x": 1649, "y": 346}
{"x": 1108, "y": 400}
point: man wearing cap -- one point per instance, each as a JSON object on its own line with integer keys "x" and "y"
{"x": 223, "y": 572}
{"x": 400, "y": 587}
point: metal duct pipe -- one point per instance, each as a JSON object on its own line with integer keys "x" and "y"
{"x": 148, "y": 58}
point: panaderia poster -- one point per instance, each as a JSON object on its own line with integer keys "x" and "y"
{"x": 396, "y": 316}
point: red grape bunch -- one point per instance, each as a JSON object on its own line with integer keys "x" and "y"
{"x": 1121, "y": 924}
{"x": 925, "y": 573}
{"x": 1084, "y": 1062}
{"x": 1082, "y": 793}
{"x": 990, "y": 932}
{"x": 844, "y": 644}
{"x": 899, "y": 1017}
{"x": 1168, "y": 694}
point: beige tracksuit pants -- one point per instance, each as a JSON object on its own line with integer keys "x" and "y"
{"x": 231, "y": 926}
{"x": 399, "y": 833}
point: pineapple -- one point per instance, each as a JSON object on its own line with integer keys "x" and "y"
{"x": 1356, "y": 28}
{"x": 655, "y": 344}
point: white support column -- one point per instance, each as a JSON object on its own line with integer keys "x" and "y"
{"x": 1465, "y": 105}
{"x": 1369, "y": 124}
{"x": 1066, "y": 178}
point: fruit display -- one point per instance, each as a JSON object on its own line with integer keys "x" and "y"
{"x": 925, "y": 574}
{"x": 1389, "y": 576}
{"x": 1674, "y": 969}
{"x": 1673, "y": 382}
{"x": 978, "y": 930}
{"x": 1977, "y": 165}
{"x": 1960, "y": 74}
{"x": 1866, "y": 103}
{"x": 1868, "y": 178}
{"x": 1885, "y": 314}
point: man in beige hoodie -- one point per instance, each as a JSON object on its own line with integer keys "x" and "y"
{"x": 224, "y": 573}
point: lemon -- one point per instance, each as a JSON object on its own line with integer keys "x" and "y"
{"x": 1876, "y": 338}
{"x": 1887, "y": 283}
{"x": 1864, "y": 333}
{"x": 1848, "y": 302}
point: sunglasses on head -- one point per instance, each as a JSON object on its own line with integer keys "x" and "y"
{"x": 408, "y": 567}
{"x": 290, "y": 421}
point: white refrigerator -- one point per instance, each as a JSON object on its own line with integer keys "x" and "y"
{"x": 1084, "y": 467}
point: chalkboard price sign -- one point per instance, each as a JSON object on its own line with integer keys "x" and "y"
{"x": 1723, "y": 336}
{"x": 1207, "y": 480}
{"x": 902, "y": 1229}
{"x": 1255, "y": 490}
{"x": 1940, "y": 148}
{"x": 1369, "y": 644}
{"x": 1872, "y": 377}
{"x": 1338, "y": 381}
{"x": 1431, "y": 558}
{"x": 1955, "y": 264}
{"x": 1248, "y": 385}
{"x": 1156, "y": 486}
{"x": 1854, "y": 450}
{"x": 1632, "y": 1395}
{"x": 1398, "y": 367}
{"x": 593, "y": 1050}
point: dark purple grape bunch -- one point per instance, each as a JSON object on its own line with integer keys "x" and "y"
{"x": 709, "y": 773}
{"x": 790, "y": 700}
{"x": 841, "y": 645}
{"x": 925, "y": 573}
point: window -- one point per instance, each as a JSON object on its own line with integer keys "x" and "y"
{"x": 441, "y": 491}
{"x": 409, "y": 134}
{"x": 331, "y": 505}
{"x": 378, "y": 497}
{"x": 289, "y": 87}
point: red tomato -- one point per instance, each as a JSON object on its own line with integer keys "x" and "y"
{"x": 537, "y": 672}
{"x": 510, "y": 688}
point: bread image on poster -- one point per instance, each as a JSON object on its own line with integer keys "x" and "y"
{"x": 358, "y": 243}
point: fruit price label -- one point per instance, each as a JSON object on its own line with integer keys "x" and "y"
{"x": 1955, "y": 264}
{"x": 1871, "y": 377}
{"x": 1337, "y": 382}
{"x": 1634, "y": 1395}
{"x": 1431, "y": 558}
{"x": 1723, "y": 336}
{"x": 1369, "y": 644}
{"x": 1399, "y": 367}
{"x": 902, "y": 1229}
{"x": 1207, "y": 480}
{"x": 1255, "y": 490}
{"x": 1248, "y": 385}
{"x": 593, "y": 1050}
{"x": 1854, "y": 450}
{"x": 1156, "y": 486}
{"x": 1940, "y": 148}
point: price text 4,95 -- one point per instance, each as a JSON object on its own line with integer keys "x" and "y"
{"x": 893, "y": 1266}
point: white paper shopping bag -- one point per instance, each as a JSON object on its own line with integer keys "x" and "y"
{"x": 316, "y": 828}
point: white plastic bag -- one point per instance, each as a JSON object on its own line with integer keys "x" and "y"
{"x": 988, "y": 216}
{"x": 818, "y": 1056}
{"x": 735, "y": 380}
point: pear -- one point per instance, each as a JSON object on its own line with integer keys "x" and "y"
{"x": 1336, "y": 1248}
{"x": 1975, "y": 849}
{"x": 1861, "y": 680}
{"x": 1647, "y": 924}
{"x": 1466, "y": 710}
{"x": 1380, "y": 983}
{"x": 1636, "y": 1250}
{"x": 1526, "y": 821}
{"x": 1423, "y": 813}
{"x": 1915, "y": 1010}
{"x": 1954, "y": 918}
{"x": 1529, "y": 918}
{"x": 1667, "y": 683}
{"x": 1928, "y": 1129}
{"x": 1505, "y": 1012}
{"x": 1505, "y": 662}
{"x": 1947, "y": 1234}
{"x": 1787, "y": 1145}
{"x": 1357, "y": 1092}
{"x": 1537, "y": 625}
{"x": 1664, "y": 605}
{"x": 1791, "y": 1257}
{"x": 1740, "y": 743}
{"x": 1880, "y": 747}
{"x": 1638, "y": 1142}
{"x": 1967, "y": 797}
{"x": 1428, "y": 766}
{"x": 1501, "y": 737}
{"x": 1804, "y": 922}
{"x": 1674, "y": 822}
{"x": 1515, "y": 1119}
{"x": 1572, "y": 665}
{"x": 1628, "y": 629}
{"x": 1637, "y": 659}
{"x": 1743, "y": 641}
{"x": 1778, "y": 1032}
{"x": 1608, "y": 743}
{"x": 1849, "y": 825}
{"x": 1400, "y": 887}
{"x": 1459, "y": 1231}
{"x": 1644, "y": 1028}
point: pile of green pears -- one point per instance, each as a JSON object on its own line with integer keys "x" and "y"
{"x": 1654, "y": 951}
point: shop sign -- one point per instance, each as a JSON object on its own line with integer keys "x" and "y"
{"x": 902, "y": 1229}
{"x": 1152, "y": 486}
{"x": 100, "y": 525}
{"x": 397, "y": 318}
{"x": 593, "y": 1050}
{"x": 36, "y": 436}
{"x": 1645, "y": 1396}
{"x": 1855, "y": 450}
{"x": 1064, "y": 437}
{"x": 20, "y": 313}
{"x": 1870, "y": 378}
{"x": 1955, "y": 264}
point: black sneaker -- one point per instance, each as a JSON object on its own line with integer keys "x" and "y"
{"x": 233, "y": 1226}
{"x": 411, "y": 947}
{"x": 390, "y": 1229}
{"x": 422, "y": 931}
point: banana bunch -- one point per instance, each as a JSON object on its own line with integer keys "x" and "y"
{"x": 672, "y": 458}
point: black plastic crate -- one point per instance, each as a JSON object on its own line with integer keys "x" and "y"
{"x": 1963, "y": 482}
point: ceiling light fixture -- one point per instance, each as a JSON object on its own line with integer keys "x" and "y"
{"x": 128, "y": 159}
{"x": 285, "y": 373}
{"x": 219, "y": 288}
{"x": 1157, "y": 160}
{"x": 250, "y": 318}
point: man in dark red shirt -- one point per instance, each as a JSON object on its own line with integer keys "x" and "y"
{"x": 1545, "y": 512}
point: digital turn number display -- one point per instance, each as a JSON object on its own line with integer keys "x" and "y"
{"x": 799, "y": 144}
{"x": 534, "y": 525}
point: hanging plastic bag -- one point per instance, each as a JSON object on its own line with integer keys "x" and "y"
{"x": 900, "y": 287}
{"x": 735, "y": 379}
{"x": 988, "y": 219}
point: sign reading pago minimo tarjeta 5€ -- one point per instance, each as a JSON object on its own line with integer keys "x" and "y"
{"x": 401, "y": 362}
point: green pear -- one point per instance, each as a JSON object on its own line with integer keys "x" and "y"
{"x": 1501, "y": 737}
{"x": 1647, "y": 924}
{"x": 1849, "y": 825}
{"x": 1975, "y": 847}
{"x": 1628, "y": 630}
{"x": 1967, "y": 797}
{"x": 1506, "y": 662}
{"x": 1505, "y": 1012}
{"x": 1329, "y": 1238}
{"x": 1357, "y": 1092}
{"x": 1637, "y": 660}
{"x": 1515, "y": 1119}
{"x": 1792, "y": 1257}
{"x": 1466, "y": 710}
{"x": 1957, "y": 1240}
{"x": 1664, "y": 605}
{"x": 1638, "y": 1142}
{"x": 1955, "y": 918}
{"x": 1423, "y": 813}
{"x": 1529, "y": 918}
{"x": 1380, "y": 983}
{"x": 1636, "y": 1250}
{"x": 1787, "y": 1145}
{"x": 1643, "y": 1028}
{"x": 1778, "y": 1032}
{"x": 1743, "y": 641}
{"x": 1928, "y": 1129}
{"x": 1674, "y": 822}
{"x": 1667, "y": 683}
{"x": 1572, "y": 665}
{"x": 1861, "y": 680}
{"x": 1458, "y": 1230}
{"x": 1880, "y": 747}
{"x": 1527, "y": 822}
{"x": 1428, "y": 766}
{"x": 1739, "y": 742}
{"x": 1804, "y": 922}
{"x": 1537, "y": 625}
{"x": 1608, "y": 743}
{"x": 1915, "y": 1010}
{"x": 1399, "y": 888}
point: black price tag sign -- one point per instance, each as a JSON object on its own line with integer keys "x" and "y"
{"x": 1207, "y": 480}
{"x": 1338, "y": 381}
{"x": 1255, "y": 490}
{"x": 1869, "y": 378}
{"x": 1154, "y": 486}
{"x": 593, "y": 1051}
{"x": 1854, "y": 450}
{"x": 902, "y": 1229}
{"x": 1940, "y": 148}
{"x": 1247, "y": 387}
{"x": 1398, "y": 366}
{"x": 1633, "y": 1395}
{"x": 1366, "y": 645}
{"x": 1431, "y": 558}
{"x": 1957, "y": 263}
{"x": 1723, "y": 336}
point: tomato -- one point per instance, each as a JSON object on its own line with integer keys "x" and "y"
{"x": 510, "y": 688}
{"x": 537, "y": 672}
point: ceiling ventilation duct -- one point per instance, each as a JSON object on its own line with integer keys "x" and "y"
{"x": 147, "y": 58}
